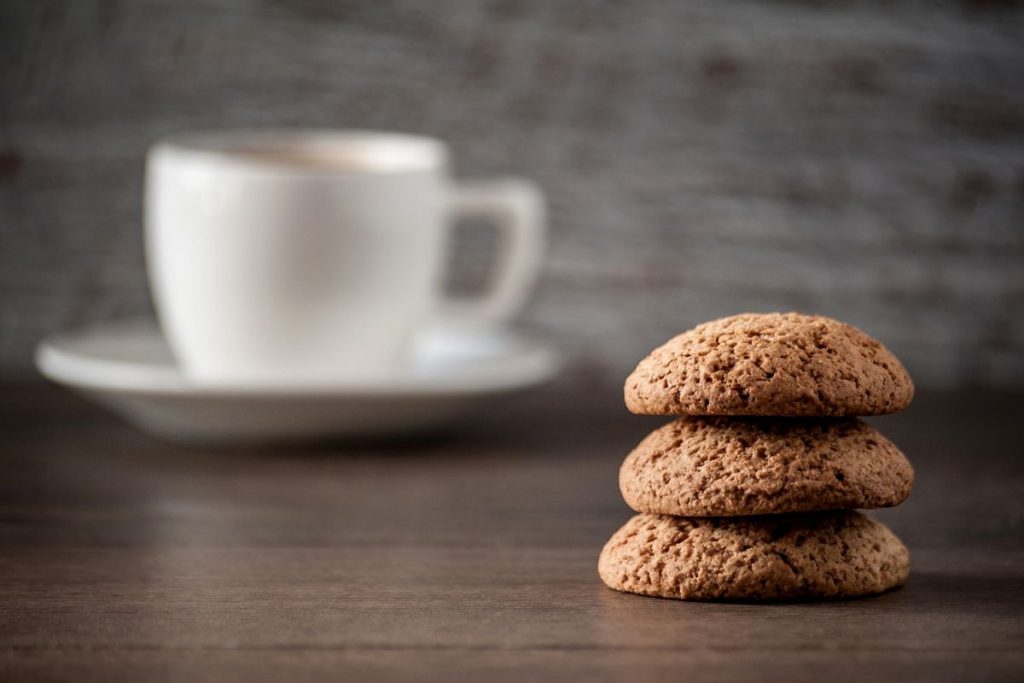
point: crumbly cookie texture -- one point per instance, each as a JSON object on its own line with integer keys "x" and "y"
{"x": 784, "y": 364}
{"x": 717, "y": 466}
{"x": 780, "y": 557}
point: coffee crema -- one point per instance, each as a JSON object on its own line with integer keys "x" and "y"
{"x": 339, "y": 160}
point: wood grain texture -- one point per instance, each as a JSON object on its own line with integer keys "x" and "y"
{"x": 470, "y": 555}
{"x": 860, "y": 160}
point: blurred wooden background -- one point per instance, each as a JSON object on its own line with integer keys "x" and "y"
{"x": 859, "y": 159}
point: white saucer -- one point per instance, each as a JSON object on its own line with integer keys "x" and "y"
{"x": 128, "y": 368}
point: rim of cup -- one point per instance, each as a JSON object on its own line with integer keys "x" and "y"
{"x": 305, "y": 150}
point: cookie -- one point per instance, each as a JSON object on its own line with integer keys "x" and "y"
{"x": 784, "y": 364}
{"x": 779, "y": 557}
{"x": 718, "y": 466}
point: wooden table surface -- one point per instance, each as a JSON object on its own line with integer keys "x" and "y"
{"x": 465, "y": 557}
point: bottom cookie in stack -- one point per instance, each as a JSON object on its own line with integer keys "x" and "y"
{"x": 776, "y": 557}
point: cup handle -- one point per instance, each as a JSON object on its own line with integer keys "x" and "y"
{"x": 516, "y": 208}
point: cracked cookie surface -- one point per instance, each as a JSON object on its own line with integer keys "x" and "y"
{"x": 717, "y": 466}
{"x": 780, "y": 557}
{"x": 784, "y": 364}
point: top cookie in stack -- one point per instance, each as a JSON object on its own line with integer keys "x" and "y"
{"x": 772, "y": 364}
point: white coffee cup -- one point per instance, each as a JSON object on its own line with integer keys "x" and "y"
{"x": 299, "y": 256}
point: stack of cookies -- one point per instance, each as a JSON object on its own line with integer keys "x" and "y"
{"x": 750, "y": 494}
